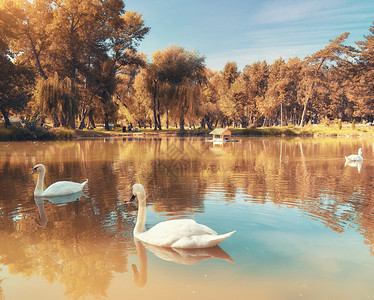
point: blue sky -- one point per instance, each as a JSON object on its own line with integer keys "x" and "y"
{"x": 250, "y": 31}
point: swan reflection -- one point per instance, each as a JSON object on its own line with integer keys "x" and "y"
{"x": 179, "y": 256}
{"x": 188, "y": 256}
{"x": 354, "y": 164}
{"x": 58, "y": 200}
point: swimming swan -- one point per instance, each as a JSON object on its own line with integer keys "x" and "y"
{"x": 58, "y": 188}
{"x": 355, "y": 157}
{"x": 183, "y": 233}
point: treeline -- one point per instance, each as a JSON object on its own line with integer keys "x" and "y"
{"x": 76, "y": 63}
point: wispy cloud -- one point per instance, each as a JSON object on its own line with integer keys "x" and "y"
{"x": 250, "y": 30}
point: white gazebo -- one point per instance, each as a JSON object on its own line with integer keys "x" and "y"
{"x": 221, "y": 134}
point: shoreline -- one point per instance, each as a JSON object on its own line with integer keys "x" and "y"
{"x": 55, "y": 134}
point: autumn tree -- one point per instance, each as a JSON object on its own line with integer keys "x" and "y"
{"x": 227, "y": 104}
{"x": 335, "y": 52}
{"x": 210, "y": 111}
{"x": 362, "y": 87}
{"x": 183, "y": 70}
{"x": 256, "y": 77}
{"x": 16, "y": 78}
{"x": 67, "y": 37}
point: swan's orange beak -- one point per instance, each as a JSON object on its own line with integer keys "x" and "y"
{"x": 34, "y": 171}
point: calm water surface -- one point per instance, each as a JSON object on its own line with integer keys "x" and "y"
{"x": 304, "y": 219}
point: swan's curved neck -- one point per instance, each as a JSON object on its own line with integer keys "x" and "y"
{"x": 140, "y": 221}
{"x": 39, "y": 184}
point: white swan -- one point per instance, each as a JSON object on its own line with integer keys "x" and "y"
{"x": 58, "y": 188}
{"x": 183, "y": 233}
{"x": 355, "y": 157}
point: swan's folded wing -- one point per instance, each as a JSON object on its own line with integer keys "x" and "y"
{"x": 201, "y": 241}
{"x": 166, "y": 234}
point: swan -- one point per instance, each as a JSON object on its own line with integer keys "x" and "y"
{"x": 58, "y": 188}
{"x": 355, "y": 157}
{"x": 183, "y": 233}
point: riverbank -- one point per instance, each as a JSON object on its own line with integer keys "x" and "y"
{"x": 21, "y": 134}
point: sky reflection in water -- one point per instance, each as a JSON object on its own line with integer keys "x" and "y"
{"x": 304, "y": 219}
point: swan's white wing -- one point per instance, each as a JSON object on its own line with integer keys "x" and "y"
{"x": 165, "y": 234}
{"x": 60, "y": 188}
{"x": 354, "y": 157}
{"x": 201, "y": 241}
{"x": 185, "y": 233}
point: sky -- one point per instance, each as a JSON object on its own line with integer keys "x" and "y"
{"x": 248, "y": 31}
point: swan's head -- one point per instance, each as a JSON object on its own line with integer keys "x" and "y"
{"x": 38, "y": 168}
{"x": 137, "y": 190}
{"x": 360, "y": 151}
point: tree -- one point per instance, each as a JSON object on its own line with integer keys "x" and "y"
{"x": 333, "y": 53}
{"x": 183, "y": 70}
{"x": 210, "y": 110}
{"x": 53, "y": 98}
{"x": 16, "y": 79}
{"x": 16, "y": 82}
{"x": 68, "y": 36}
{"x": 361, "y": 91}
{"x": 256, "y": 77}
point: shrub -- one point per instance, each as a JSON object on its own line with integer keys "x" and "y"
{"x": 353, "y": 125}
{"x": 62, "y": 134}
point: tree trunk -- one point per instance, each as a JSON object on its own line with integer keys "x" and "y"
{"x": 154, "y": 103}
{"x": 36, "y": 55}
{"x": 159, "y": 121}
{"x": 302, "y": 122}
{"x": 158, "y": 115}
{"x": 181, "y": 125}
{"x": 91, "y": 119}
{"x": 56, "y": 121}
{"x": 83, "y": 123}
{"x": 106, "y": 122}
{"x": 6, "y": 118}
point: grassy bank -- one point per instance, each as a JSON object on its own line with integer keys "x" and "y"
{"x": 41, "y": 134}
{"x": 23, "y": 133}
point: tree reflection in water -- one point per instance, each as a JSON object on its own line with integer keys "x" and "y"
{"x": 86, "y": 241}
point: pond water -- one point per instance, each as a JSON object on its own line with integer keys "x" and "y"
{"x": 304, "y": 220}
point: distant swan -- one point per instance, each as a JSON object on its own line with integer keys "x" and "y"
{"x": 184, "y": 233}
{"x": 58, "y": 188}
{"x": 355, "y": 157}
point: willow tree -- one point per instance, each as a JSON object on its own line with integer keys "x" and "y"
{"x": 183, "y": 70}
{"x": 54, "y": 99}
